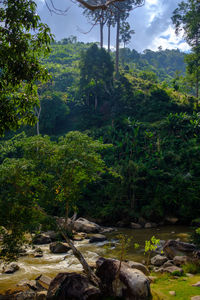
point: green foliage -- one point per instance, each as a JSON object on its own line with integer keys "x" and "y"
{"x": 150, "y": 246}
{"x": 45, "y": 178}
{"x": 24, "y": 40}
{"x": 195, "y": 237}
{"x": 191, "y": 267}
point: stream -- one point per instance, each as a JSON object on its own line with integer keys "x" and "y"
{"x": 51, "y": 264}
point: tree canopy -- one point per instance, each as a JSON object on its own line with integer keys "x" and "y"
{"x": 24, "y": 40}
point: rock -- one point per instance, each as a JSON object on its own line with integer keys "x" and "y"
{"x": 135, "y": 226}
{"x": 172, "y": 293}
{"x": 196, "y": 297}
{"x": 54, "y": 236}
{"x": 59, "y": 247}
{"x": 152, "y": 279}
{"x": 129, "y": 284}
{"x": 43, "y": 281}
{"x": 150, "y": 225}
{"x": 22, "y": 293}
{"x": 72, "y": 286}
{"x": 168, "y": 263}
{"x": 38, "y": 252}
{"x": 97, "y": 238}
{"x": 158, "y": 260}
{"x": 121, "y": 224}
{"x": 174, "y": 248}
{"x": 173, "y": 270}
{"x": 32, "y": 284}
{"x": 171, "y": 220}
{"x": 78, "y": 238}
{"x": 189, "y": 275}
{"x": 196, "y": 284}
{"x": 11, "y": 268}
{"x": 41, "y": 239}
{"x": 158, "y": 270}
{"x": 159, "y": 247}
{"x": 107, "y": 229}
{"x": 86, "y": 226}
{"x": 180, "y": 260}
{"x": 42, "y": 295}
{"x": 138, "y": 266}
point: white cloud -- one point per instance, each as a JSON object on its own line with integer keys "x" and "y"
{"x": 152, "y": 25}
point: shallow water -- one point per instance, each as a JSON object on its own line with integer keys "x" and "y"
{"x": 51, "y": 264}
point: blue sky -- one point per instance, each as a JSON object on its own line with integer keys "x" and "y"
{"x": 152, "y": 25}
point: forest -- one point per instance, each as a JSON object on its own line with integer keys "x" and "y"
{"x": 111, "y": 135}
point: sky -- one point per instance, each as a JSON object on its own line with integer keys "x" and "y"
{"x": 152, "y": 25}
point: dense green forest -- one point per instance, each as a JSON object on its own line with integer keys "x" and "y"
{"x": 152, "y": 129}
{"x": 109, "y": 143}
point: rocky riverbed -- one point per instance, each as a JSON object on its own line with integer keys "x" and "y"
{"x": 41, "y": 260}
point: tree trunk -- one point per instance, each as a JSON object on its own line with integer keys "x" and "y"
{"x": 108, "y": 38}
{"x": 90, "y": 274}
{"x": 38, "y": 111}
{"x": 101, "y": 33}
{"x": 117, "y": 46}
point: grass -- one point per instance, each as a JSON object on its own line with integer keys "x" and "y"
{"x": 182, "y": 286}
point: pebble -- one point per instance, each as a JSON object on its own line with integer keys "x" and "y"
{"x": 172, "y": 293}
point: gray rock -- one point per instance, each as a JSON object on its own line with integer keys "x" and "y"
{"x": 138, "y": 266}
{"x": 129, "y": 284}
{"x": 135, "y": 225}
{"x": 72, "y": 286}
{"x": 42, "y": 295}
{"x": 97, "y": 238}
{"x": 43, "y": 281}
{"x": 174, "y": 248}
{"x": 107, "y": 229}
{"x": 41, "y": 239}
{"x": 84, "y": 225}
{"x": 32, "y": 284}
{"x": 195, "y": 297}
{"x": 172, "y": 293}
{"x": 196, "y": 284}
{"x": 38, "y": 252}
{"x": 54, "y": 236}
{"x": 59, "y": 247}
{"x": 158, "y": 260}
{"x": 171, "y": 220}
{"x": 11, "y": 268}
{"x": 173, "y": 269}
{"x": 180, "y": 260}
{"x": 150, "y": 225}
{"x": 168, "y": 263}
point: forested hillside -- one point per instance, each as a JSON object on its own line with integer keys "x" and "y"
{"x": 153, "y": 129}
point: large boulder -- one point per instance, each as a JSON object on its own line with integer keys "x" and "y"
{"x": 138, "y": 266}
{"x": 122, "y": 281}
{"x": 158, "y": 260}
{"x": 83, "y": 225}
{"x": 97, "y": 238}
{"x": 59, "y": 247}
{"x": 174, "y": 248}
{"x": 72, "y": 286}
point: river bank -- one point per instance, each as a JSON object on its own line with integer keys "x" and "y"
{"x": 52, "y": 264}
